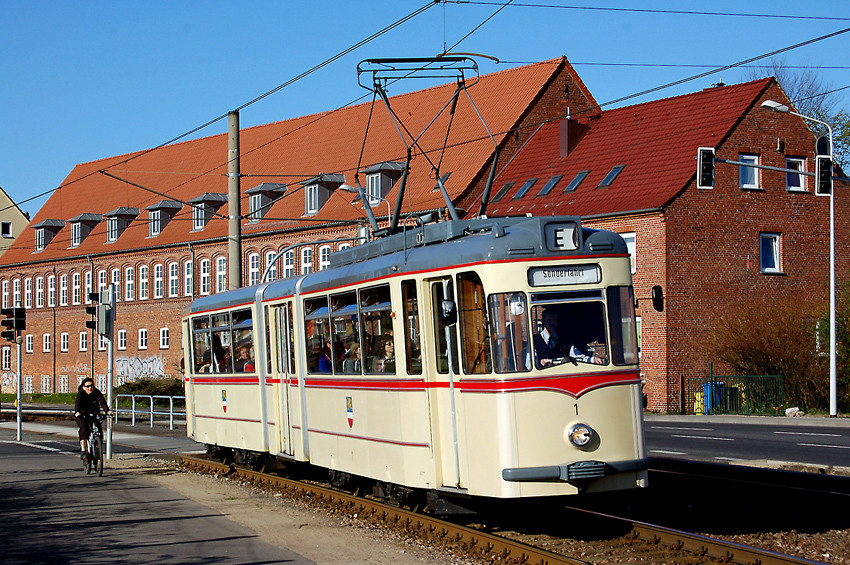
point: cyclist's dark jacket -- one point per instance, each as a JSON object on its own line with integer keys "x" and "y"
{"x": 88, "y": 404}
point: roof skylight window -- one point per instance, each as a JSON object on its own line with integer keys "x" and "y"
{"x": 550, "y": 184}
{"x": 576, "y": 181}
{"x": 502, "y": 191}
{"x": 612, "y": 174}
{"x": 524, "y": 188}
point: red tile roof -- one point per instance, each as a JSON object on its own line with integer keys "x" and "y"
{"x": 656, "y": 141}
{"x": 288, "y": 152}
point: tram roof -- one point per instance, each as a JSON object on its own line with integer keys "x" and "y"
{"x": 432, "y": 247}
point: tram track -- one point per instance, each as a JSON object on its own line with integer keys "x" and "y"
{"x": 642, "y": 542}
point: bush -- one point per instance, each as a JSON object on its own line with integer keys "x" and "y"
{"x": 156, "y": 387}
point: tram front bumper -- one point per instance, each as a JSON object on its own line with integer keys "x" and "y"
{"x": 580, "y": 471}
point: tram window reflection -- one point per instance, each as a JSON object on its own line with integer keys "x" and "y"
{"x": 572, "y": 332}
{"x": 346, "y": 333}
{"x": 318, "y": 335}
{"x": 377, "y": 323}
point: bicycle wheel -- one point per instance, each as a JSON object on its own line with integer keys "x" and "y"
{"x": 87, "y": 461}
{"x": 98, "y": 455}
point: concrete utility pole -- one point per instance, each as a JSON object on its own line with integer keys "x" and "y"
{"x": 234, "y": 204}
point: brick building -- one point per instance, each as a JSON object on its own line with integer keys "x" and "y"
{"x": 155, "y": 222}
{"x": 632, "y": 170}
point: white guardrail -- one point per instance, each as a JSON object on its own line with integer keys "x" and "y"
{"x": 152, "y": 407}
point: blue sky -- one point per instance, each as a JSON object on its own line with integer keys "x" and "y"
{"x": 86, "y": 80}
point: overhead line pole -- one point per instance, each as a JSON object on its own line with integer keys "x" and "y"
{"x": 234, "y": 204}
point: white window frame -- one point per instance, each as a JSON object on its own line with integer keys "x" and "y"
{"x": 306, "y": 260}
{"x": 122, "y": 340}
{"x": 173, "y": 279}
{"x": 116, "y": 283}
{"x": 39, "y": 292}
{"x": 76, "y": 234}
{"x": 129, "y": 284}
{"x": 6, "y": 363}
{"x": 255, "y": 205}
{"x": 51, "y": 291}
{"x": 154, "y": 223}
{"x": 221, "y": 274}
{"x": 28, "y": 293}
{"x": 164, "y": 338}
{"x": 204, "y": 268}
{"x": 143, "y": 338}
{"x": 84, "y": 341}
{"x": 143, "y": 282}
{"x": 88, "y": 287}
{"x": 16, "y": 292}
{"x": 770, "y": 259}
{"x": 373, "y": 188}
{"x": 188, "y": 281}
{"x": 324, "y": 257}
{"x": 5, "y": 294}
{"x": 253, "y": 269}
{"x": 29, "y": 343}
{"x": 744, "y": 172}
{"x": 631, "y": 244}
{"x": 289, "y": 264}
{"x": 102, "y": 342}
{"x": 45, "y": 343}
{"x": 111, "y": 229}
{"x": 158, "y": 280}
{"x": 311, "y": 193}
{"x": 795, "y": 182}
{"x": 270, "y": 261}
{"x": 63, "y": 342}
{"x": 63, "y": 289}
{"x": 39, "y": 240}
{"x": 199, "y": 217}
{"x": 76, "y": 288}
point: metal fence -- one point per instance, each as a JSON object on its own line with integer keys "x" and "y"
{"x": 151, "y": 408}
{"x": 737, "y": 394}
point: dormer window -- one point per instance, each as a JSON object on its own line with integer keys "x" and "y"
{"x": 204, "y": 207}
{"x": 261, "y": 198}
{"x": 612, "y": 174}
{"x": 117, "y": 221}
{"x": 81, "y": 227}
{"x": 524, "y": 188}
{"x": 160, "y": 214}
{"x": 381, "y": 178}
{"x": 45, "y": 230}
{"x": 318, "y": 189}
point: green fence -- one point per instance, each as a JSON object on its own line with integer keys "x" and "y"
{"x": 737, "y": 394}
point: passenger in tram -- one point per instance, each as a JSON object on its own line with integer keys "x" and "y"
{"x": 352, "y": 363}
{"x": 325, "y": 365}
{"x": 549, "y": 348}
{"x": 245, "y": 361}
{"x": 388, "y": 361}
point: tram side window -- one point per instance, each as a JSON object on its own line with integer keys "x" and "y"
{"x": 243, "y": 341}
{"x": 346, "y": 332}
{"x": 571, "y": 332}
{"x": 318, "y": 335}
{"x": 509, "y": 333}
{"x": 621, "y": 320}
{"x": 412, "y": 345}
{"x": 222, "y": 345}
{"x": 473, "y": 324}
{"x": 377, "y": 323}
{"x": 444, "y": 346}
{"x": 201, "y": 356}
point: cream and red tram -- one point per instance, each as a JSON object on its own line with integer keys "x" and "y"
{"x": 411, "y": 361}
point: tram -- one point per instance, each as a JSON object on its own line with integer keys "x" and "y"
{"x": 422, "y": 361}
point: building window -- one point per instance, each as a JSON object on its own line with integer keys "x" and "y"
{"x": 45, "y": 383}
{"x": 253, "y": 269}
{"x": 63, "y": 290}
{"x": 143, "y": 338}
{"x": 51, "y": 291}
{"x": 205, "y": 276}
{"x": 306, "y": 260}
{"x": 102, "y": 343}
{"x": 5, "y": 294}
{"x": 312, "y": 196}
{"x": 611, "y": 176}
{"x": 164, "y": 337}
{"x": 111, "y": 229}
{"x": 45, "y": 343}
{"x": 158, "y": 281}
{"x": 116, "y": 283}
{"x": 63, "y": 342}
{"x": 6, "y": 229}
{"x": 198, "y": 217}
{"x": 129, "y": 284}
{"x": 88, "y": 286}
{"x": 39, "y": 292}
{"x": 39, "y": 239}
{"x": 550, "y": 184}
{"x": 524, "y": 188}
{"x": 748, "y": 176}
{"x": 289, "y": 263}
{"x": 255, "y": 205}
{"x": 122, "y": 340}
{"x": 324, "y": 257}
{"x": 101, "y": 281}
{"x": 153, "y": 223}
{"x": 221, "y": 274}
{"x": 173, "y": 279}
{"x": 631, "y": 244}
{"x": 63, "y": 383}
{"x": 16, "y": 292}
{"x": 795, "y": 181}
{"x": 188, "y": 283}
{"x": 770, "y": 253}
{"x": 6, "y": 363}
{"x": 84, "y": 341}
{"x": 271, "y": 265}
{"x": 76, "y": 286}
{"x": 28, "y": 293}
{"x": 28, "y": 343}
{"x": 143, "y": 282}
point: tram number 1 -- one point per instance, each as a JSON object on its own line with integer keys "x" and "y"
{"x": 576, "y": 408}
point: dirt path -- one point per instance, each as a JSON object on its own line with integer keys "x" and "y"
{"x": 311, "y": 533}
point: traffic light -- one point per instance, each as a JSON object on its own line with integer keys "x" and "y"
{"x": 101, "y": 311}
{"x": 705, "y": 167}
{"x": 14, "y": 320}
{"x": 823, "y": 174}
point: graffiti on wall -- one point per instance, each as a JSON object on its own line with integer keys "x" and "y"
{"x": 133, "y": 368}
{"x": 78, "y": 368}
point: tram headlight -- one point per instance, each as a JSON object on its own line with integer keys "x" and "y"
{"x": 581, "y": 435}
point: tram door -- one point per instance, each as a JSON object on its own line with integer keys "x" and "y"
{"x": 445, "y": 397}
{"x": 286, "y": 372}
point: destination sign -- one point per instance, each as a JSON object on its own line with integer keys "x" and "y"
{"x": 564, "y": 274}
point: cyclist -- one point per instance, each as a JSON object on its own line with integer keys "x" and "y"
{"x": 89, "y": 401}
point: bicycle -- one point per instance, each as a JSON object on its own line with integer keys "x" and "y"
{"x": 94, "y": 453}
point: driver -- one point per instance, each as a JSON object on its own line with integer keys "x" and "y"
{"x": 548, "y": 347}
